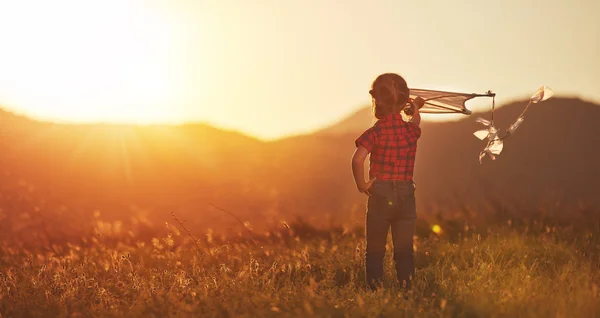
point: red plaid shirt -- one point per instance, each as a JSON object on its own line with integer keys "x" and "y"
{"x": 392, "y": 143}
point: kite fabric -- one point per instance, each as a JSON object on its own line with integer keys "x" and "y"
{"x": 441, "y": 102}
{"x": 495, "y": 144}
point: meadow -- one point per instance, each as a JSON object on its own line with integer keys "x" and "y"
{"x": 512, "y": 267}
{"x": 86, "y": 228}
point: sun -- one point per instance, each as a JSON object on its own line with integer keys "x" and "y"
{"x": 86, "y": 61}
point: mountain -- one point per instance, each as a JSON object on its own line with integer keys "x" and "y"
{"x": 550, "y": 158}
{"x": 124, "y": 171}
{"x": 68, "y": 172}
{"x": 356, "y": 122}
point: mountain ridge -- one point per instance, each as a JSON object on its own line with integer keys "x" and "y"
{"x": 351, "y": 122}
{"x": 356, "y": 121}
{"x": 170, "y": 168}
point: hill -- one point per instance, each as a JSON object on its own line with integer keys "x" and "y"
{"x": 147, "y": 172}
{"x": 549, "y": 158}
{"x": 127, "y": 172}
{"x": 352, "y": 124}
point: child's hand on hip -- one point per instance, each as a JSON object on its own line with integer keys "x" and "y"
{"x": 366, "y": 186}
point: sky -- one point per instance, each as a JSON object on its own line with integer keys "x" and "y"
{"x": 272, "y": 68}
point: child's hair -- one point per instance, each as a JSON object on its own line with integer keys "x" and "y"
{"x": 389, "y": 93}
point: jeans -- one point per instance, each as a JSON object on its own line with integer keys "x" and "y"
{"x": 391, "y": 204}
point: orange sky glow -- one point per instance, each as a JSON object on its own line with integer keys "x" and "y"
{"x": 274, "y": 68}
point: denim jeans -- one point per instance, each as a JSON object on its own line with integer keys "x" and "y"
{"x": 391, "y": 204}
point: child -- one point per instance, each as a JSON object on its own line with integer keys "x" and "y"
{"x": 392, "y": 145}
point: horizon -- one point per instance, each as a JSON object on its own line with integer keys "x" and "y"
{"x": 351, "y": 114}
{"x": 177, "y": 62}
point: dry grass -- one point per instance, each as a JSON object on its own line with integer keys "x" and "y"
{"x": 530, "y": 270}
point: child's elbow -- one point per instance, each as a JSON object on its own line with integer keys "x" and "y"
{"x": 358, "y": 159}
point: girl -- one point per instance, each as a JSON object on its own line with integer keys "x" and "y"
{"x": 392, "y": 145}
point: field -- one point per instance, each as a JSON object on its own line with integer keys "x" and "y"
{"x": 534, "y": 267}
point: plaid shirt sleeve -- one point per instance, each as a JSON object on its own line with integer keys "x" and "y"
{"x": 367, "y": 139}
{"x": 413, "y": 132}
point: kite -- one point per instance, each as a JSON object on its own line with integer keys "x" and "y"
{"x": 442, "y": 102}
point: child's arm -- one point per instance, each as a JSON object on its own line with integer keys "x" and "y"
{"x": 416, "y": 116}
{"x": 358, "y": 169}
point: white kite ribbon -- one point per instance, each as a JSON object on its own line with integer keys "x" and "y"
{"x": 542, "y": 94}
{"x": 495, "y": 145}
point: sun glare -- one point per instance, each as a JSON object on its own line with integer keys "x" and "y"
{"x": 85, "y": 61}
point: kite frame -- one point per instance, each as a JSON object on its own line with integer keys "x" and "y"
{"x": 446, "y": 94}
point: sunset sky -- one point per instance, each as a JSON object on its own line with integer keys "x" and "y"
{"x": 274, "y": 68}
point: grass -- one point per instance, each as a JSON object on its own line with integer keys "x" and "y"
{"x": 535, "y": 270}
